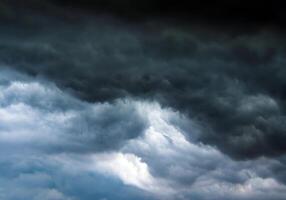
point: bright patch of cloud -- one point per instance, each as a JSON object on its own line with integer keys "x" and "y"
{"x": 131, "y": 170}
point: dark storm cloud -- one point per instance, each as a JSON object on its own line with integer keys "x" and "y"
{"x": 233, "y": 83}
{"x": 221, "y": 11}
{"x": 220, "y": 93}
{"x": 234, "y": 13}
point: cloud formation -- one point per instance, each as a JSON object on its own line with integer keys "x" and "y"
{"x": 94, "y": 106}
{"x": 62, "y": 121}
{"x": 50, "y": 138}
{"x": 233, "y": 84}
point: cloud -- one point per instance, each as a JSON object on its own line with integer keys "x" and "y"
{"x": 41, "y": 115}
{"x": 243, "y": 13}
{"x": 35, "y": 176}
{"x": 197, "y": 171}
{"x": 131, "y": 170}
{"x": 40, "y": 123}
{"x": 164, "y": 163}
{"x": 50, "y": 138}
{"x": 232, "y": 83}
{"x": 147, "y": 111}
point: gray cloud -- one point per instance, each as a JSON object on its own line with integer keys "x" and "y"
{"x": 233, "y": 84}
{"x": 36, "y": 176}
{"x": 84, "y": 111}
{"x": 49, "y": 139}
{"x": 199, "y": 171}
{"x": 40, "y": 123}
{"x": 60, "y": 117}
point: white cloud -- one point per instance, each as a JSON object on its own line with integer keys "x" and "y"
{"x": 131, "y": 170}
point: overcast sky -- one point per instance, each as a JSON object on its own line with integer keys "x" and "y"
{"x": 109, "y": 100}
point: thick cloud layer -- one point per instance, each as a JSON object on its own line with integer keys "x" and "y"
{"x": 155, "y": 109}
{"x": 242, "y": 13}
{"x": 49, "y": 139}
{"x": 233, "y": 84}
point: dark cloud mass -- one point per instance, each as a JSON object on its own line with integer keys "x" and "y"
{"x": 233, "y": 83}
{"x": 85, "y": 70}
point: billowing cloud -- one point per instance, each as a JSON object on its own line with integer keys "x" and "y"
{"x": 94, "y": 106}
{"x": 50, "y": 138}
{"x": 62, "y": 121}
{"x": 233, "y": 85}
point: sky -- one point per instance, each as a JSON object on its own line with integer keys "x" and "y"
{"x": 145, "y": 100}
